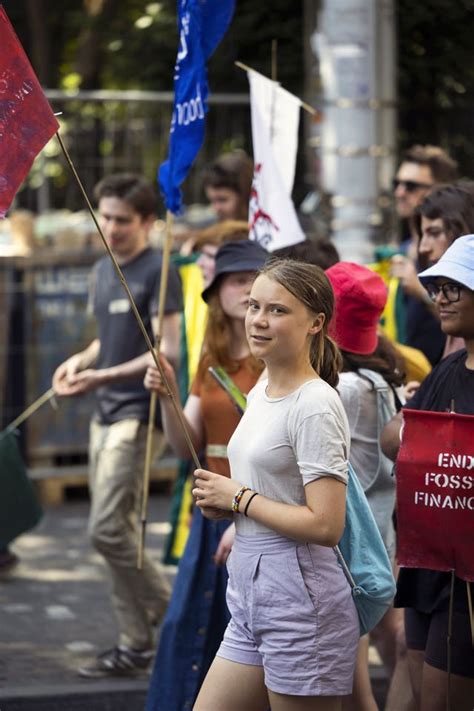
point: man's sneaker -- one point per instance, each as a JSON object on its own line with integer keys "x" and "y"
{"x": 119, "y": 661}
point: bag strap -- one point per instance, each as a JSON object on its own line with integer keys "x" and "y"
{"x": 345, "y": 567}
{"x": 237, "y": 397}
{"x": 398, "y": 402}
{"x": 384, "y": 414}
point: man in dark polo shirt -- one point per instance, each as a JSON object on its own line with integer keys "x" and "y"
{"x": 113, "y": 366}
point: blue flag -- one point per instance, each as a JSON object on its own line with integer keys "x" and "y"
{"x": 201, "y": 24}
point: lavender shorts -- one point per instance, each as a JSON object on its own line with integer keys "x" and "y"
{"x": 292, "y": 613}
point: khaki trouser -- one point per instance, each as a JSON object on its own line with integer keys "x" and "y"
{"x": 140, "y": 597}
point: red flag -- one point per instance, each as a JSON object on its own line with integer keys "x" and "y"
{"x": 435, "y": 492}
{"x": 26, "y": 119}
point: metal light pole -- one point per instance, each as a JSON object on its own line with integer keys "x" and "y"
{"x": 352, "y": 46}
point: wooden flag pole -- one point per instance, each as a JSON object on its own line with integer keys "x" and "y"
{"x": 30, "y": 410}
{"x": 274, "y": 73}
{"x": 154, "y": 396}
{"x": 471, "y": 612}
{"x": 307, "y": 107}
{"x": 448, "y": 641}
{"x": 138, "y": 318}
{"x": 450, "y": 618}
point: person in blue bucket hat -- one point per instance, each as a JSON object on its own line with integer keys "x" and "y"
{"x": 425, "y": 593}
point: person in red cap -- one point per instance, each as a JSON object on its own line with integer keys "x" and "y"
{"x": 371, "y": 370}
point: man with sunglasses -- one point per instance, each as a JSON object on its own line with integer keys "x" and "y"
{"x": 425, "y": 593}
{"x": 421, "y": 168}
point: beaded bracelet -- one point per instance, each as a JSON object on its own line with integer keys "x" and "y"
{"x": 238, "y": 498}
{"x": 255, "y": 493}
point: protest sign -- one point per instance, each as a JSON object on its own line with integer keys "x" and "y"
{"x": 435, "y": 492}
{"x": 26, "y": 119}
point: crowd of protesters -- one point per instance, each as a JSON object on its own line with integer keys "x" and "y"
{"x": 289, "y": 377}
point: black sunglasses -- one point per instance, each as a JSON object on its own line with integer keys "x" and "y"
{"x": 451, "y": 291}
{"x": 410, "y": 185}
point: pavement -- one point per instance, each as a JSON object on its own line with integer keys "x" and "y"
{"x": 55, "y": 615}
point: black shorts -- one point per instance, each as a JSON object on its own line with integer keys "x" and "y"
{"x": 428, "y": 632}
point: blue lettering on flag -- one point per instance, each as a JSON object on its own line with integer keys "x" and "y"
{"x": 201, "y": 24}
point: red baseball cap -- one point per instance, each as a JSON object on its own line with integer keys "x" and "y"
{"x": 361, "y": 296}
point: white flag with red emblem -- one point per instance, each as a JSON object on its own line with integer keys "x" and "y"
{"x": 275, "y": 119}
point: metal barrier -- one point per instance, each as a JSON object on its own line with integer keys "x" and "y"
{"x": 111, "y": 131}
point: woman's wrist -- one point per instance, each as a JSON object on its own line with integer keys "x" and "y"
{"x": 246, "y": 501}
{"x": 237, "y": 499}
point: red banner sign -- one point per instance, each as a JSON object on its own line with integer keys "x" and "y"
{"x": 26, "y": 119}
{"x": 435, "y": 492}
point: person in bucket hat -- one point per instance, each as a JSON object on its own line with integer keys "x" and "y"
{"x": 425, "y": 593}
{"x": 242, "y": 256}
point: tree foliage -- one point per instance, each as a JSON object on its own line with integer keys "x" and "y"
{"x": 131, "y": 44}
{"x": 436, "y": 76}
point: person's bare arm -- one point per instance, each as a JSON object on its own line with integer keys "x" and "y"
{"x": 404, "y": 269}
{"x": 63, "y": 377}
{"x": 390, "y": 437}
{"x": 171, "y": 338}
{"x": 320, "y": 521}
{"x": 92, "y": 378}
{"x": 225, "y": 545}
{"x": 170, "y": 420}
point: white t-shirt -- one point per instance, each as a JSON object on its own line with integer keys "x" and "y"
{"x": 283, "y": 443}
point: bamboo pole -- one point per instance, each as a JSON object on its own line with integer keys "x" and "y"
{"x": 448, "y": 640}
{"x": 307, "y": 107}
{"x": 30, "y": 410}
{"x": 274, "y": 72}
{"x": 154, "y": 396}
{"x": 138, "y": 318}
{"x": 471, "y": 613}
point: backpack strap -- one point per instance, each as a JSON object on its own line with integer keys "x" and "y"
{"x": 385, "y": 409}
{"x": 237, "y": 397}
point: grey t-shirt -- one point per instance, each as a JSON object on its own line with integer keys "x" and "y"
{"x": 282, "y": 444}
{"x": 120, "y": 337}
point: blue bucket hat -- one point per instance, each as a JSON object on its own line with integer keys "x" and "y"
{"x": 457, "y": 263}
{"x": 243, "y": 256}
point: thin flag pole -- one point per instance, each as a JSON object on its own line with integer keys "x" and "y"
{"x": 139, "y": 320}
{"x": 30, "y": 410}
{"x": 165, "y": 264}
{"x": 450, "y": 618}
{"x": 274, "y": 59}
{"x": 448, "y": 641}
{"x": 307, "y": 107}
{"x": 471, "y": 613}
{"x": 274, "y": 75}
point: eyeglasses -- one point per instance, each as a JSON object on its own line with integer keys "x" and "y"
{"x": 410, "y": 185}
{"x": 451, "y": 291}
